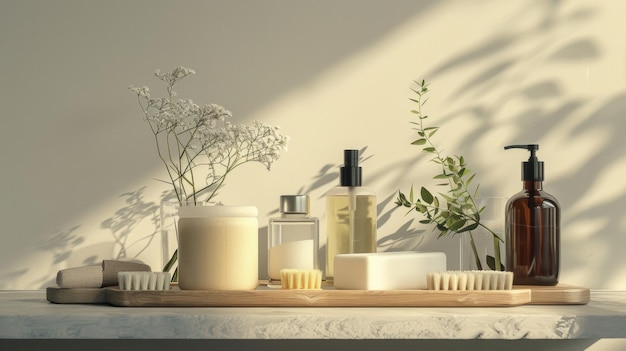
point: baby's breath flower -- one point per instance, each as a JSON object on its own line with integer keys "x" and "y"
{"x": 199, "y": 143}
{"x": 141, "y": 92}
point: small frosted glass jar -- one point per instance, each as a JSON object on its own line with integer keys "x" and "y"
{"x": 292, "y": 238}
{"x": 218, "y": 247}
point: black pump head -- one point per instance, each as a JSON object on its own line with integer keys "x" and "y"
{"x": 350, "y": 172}
{"x": 532, "y": 169}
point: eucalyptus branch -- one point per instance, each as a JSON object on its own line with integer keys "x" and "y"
{"x": 453, "y": 211}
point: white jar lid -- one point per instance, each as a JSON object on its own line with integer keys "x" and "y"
{"x": 217, "y": 211}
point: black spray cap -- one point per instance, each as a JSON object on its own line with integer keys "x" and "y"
{"x": 532, "y": 169}
{"x": 350, "y": 172}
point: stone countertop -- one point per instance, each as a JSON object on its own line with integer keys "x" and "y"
{"x": 28, "y": 315}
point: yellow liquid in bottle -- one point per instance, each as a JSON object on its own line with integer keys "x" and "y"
{"x": 338, "y": 228}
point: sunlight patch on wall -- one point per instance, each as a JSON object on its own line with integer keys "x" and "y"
{"x": 607, "y": 186}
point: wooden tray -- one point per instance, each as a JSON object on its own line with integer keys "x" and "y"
{"x": 316, "y": 298}
{"x": 328, "y": 297}
{"x": 562, "y": 294}
{"x": 55, "y": 294}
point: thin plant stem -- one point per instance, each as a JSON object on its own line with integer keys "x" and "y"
{"x": 475, "y": 251}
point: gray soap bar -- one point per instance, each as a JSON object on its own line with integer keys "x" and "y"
{"x": 110, "y": 268}
{"x": 80, "y": 277}
{"x": 98, "y": 275}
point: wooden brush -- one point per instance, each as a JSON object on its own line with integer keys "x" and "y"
{"x": 469, "y": 280}
{"x": 301, "y": 278}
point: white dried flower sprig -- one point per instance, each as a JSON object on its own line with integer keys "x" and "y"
{"x": 198, "y": 145}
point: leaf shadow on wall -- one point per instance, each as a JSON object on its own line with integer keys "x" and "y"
{"x": 122, "y": 225}
{"x": 128, "y": 240}
{"x": 62, "y": 246}
{"x": 604, "y": 244}
{"x": 506, "y": 77}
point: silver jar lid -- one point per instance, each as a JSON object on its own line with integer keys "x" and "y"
{"x": 294, "y": 204}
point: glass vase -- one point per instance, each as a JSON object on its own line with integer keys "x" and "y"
{"x": 169, "y": 234}
{"x": 169, "y": 237}
{"x": 479, "y": 249}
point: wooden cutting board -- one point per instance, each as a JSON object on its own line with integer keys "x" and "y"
{"x": 561, "y": 294}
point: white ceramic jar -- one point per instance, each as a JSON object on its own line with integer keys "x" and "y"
{"x": 218, "y": 247}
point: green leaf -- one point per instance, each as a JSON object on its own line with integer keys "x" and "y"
{"x": 457, "y": 224}
{"x": 420, "y": 207}
{"x": 432, "y": 131}
{"x": 468, "y": 228}
{"x": 411, "y": 194}
{"x": 429, "y": 149}
{"x": 402, "y": 201}
{"x": 455, "y": 209}
{"x": 425, "y": 221}
{"x": 469, "y": 180}
{"x": 442, "y": 234}
{"x": 477, "y": 217}
{"x": 476, "y": 191}
{"x": 448, "y": 198}
{"x": 419, "y": 142}
{"x": 491, "y": 262}
{"x": 401, "y": 197}
{"x": 426, "y": 195}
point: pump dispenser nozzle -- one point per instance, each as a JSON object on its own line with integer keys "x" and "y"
{"x": 350, "y": 172}
{"x": 532, "y": 169}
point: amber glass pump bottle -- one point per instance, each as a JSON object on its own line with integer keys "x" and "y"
{"x": 532, "y": 228}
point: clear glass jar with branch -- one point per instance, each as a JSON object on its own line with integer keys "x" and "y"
{"x": 455, "y": 210}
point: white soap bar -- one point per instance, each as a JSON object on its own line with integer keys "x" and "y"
{"x": 403, "y": 270}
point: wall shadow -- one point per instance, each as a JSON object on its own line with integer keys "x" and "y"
{"x": 122, "y": 225}
{"x": 61, "y": 245}
{"x": 505, "y": 76}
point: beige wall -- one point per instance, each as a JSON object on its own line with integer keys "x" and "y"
{"x": 333, "y": 75}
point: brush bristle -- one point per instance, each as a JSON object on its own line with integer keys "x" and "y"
{"x": 469, "y": 280}
{"x": 143, "y": 280}
{"x": 301, "y": 278}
